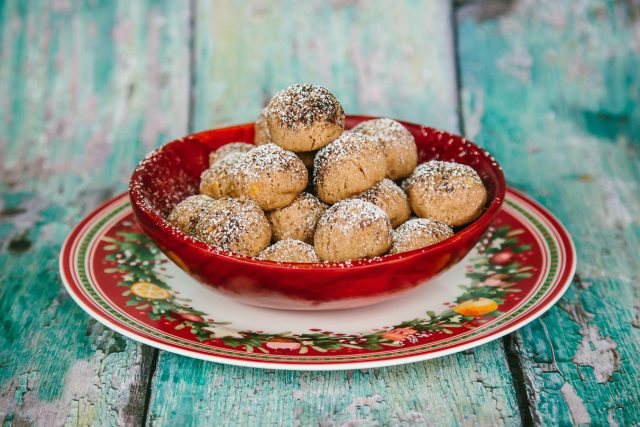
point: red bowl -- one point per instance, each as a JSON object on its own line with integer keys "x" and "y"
{"x": 172, "y": 173}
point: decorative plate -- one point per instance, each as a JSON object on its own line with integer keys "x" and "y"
{"x": 518, "y": 271}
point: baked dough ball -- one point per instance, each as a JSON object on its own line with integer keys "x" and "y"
{"x": 304, "y": 117}
{"x": 390, "y": 198}
{"x": 225, "y": 150}
{"x": 290, "y": 250}
{"x": 448, "y": 192}
{"x": 236, "y": 225}
{"x": 298, "y": 220}
{"x": 220, "y": 179}
{"x": 399, "y": 145}
{"x": 352, "y": 229}
{"x": 349, "y": 165}
{"x": 185, "y": 214}
{"x": 418, "y": 233}
{"x": 261, "y": 134}
{"x": 270, "y": 176}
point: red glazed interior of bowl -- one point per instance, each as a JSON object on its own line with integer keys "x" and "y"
{"x": 171, "y": 173}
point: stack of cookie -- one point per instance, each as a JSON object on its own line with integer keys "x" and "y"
{"x": 309, "y": 191}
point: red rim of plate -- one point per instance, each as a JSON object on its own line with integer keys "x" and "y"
{"x": 554, "y": 293}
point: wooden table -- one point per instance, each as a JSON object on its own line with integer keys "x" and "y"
{"x": 552, "y": 88}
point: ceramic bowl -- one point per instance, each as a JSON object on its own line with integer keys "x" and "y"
{"x": 172, "y": 172}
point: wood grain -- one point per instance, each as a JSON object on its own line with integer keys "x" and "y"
{"x": 471, "y": 388}
{"x": 378, "y": 60}
{"x": 553, "y": 90}
{"x": 87, "y": 89}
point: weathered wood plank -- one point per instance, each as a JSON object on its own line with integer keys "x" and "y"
{"x": 379, "y": 58}
{"x": 553, "y": 91}
{"x": 87, "y": 89}
{"x": 468, "y": 389}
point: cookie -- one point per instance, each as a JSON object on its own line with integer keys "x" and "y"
{"x": 390, "y": 198}
{"x": 349, "y": 165}
{"x": 270, "y": 176}
{"x": 352, "y": 229}
{"x": 220, "y": 180}
{"x": 236, "y": 225}
{"x": 225, "y": 150}
{"x": 400, "y": 148}
{"x": 419, "y": 233}
{"x": 185, "y": 214}
{"x": 261, "y": 135}
{"x": 298, "y": 220}
{"x": 304, "y": 117}
{"x": 289, "y": 250}
{"x": 448, "y": 192}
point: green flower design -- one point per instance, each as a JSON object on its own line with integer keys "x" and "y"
{"x": 492, "y": 275}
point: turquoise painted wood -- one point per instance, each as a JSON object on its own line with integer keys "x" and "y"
{"x": 377, "y": 59}
{"x": 560, "y": 109}
{"x": 87, "y": 89}
{"x": 390, "y": 72}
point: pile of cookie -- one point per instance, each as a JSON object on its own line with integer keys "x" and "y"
{"x": 258, "y": 200}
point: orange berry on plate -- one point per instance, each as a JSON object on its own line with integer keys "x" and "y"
{"x": 283, "y": 343}
{"x": 149, "y": 290}
{"x": 476, "y": 307}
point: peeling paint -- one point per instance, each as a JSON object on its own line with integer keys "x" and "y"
{"x": 578, "y": 410}
{"x": 599, "y": 353}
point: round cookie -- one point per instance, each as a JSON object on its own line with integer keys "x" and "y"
{"x": 225, "y": 150}
{"x": 304, "y": 117}
{"x": 298, "y": 220}
{"x": 352, "y": 229}
{"x": 448, "y": 192}
{"x": 236, "y": 225}
{"x": 290, "y": 250}
{"x": 261, "y": 135}
{"x": 400, "y": 147}
{"x": 185, "y": 214}
{"x": 418, "y": 233}
{"x": 349, "y": 165}
{"x": 270, "y": 176}
{"x": 390, "y": 198}
{"x": 220, "y": 179}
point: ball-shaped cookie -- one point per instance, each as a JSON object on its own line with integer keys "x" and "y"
{"x": 298, "y": 220}
{"x": 261, "y": 135}
{"x": 419, "y": 233}
{"x": 304, "y": 117}
{"x": 220, "y": 180}
{"x": 290, "y": 250}
{"x": 185, "y": 214}
{"x": 390, "y": 198}
{"x": 225, "y": 150}
{"x": 352, "y": 229}
{"x": 270, "y": 176}
{"x": 448, "y": 192}
{"x": 236, "y": 225}
{"x": 349, "y": 165}
{"x": 400, "y": 147}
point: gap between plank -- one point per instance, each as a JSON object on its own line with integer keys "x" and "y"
{"x": 150, "y": 375}
{"x": 456, "y": 66}
{"x": 190, "y": 125}
{"x": 513, "y": 360}
{"x": 192, "y": 66}
{"x": 518, "y": 379}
